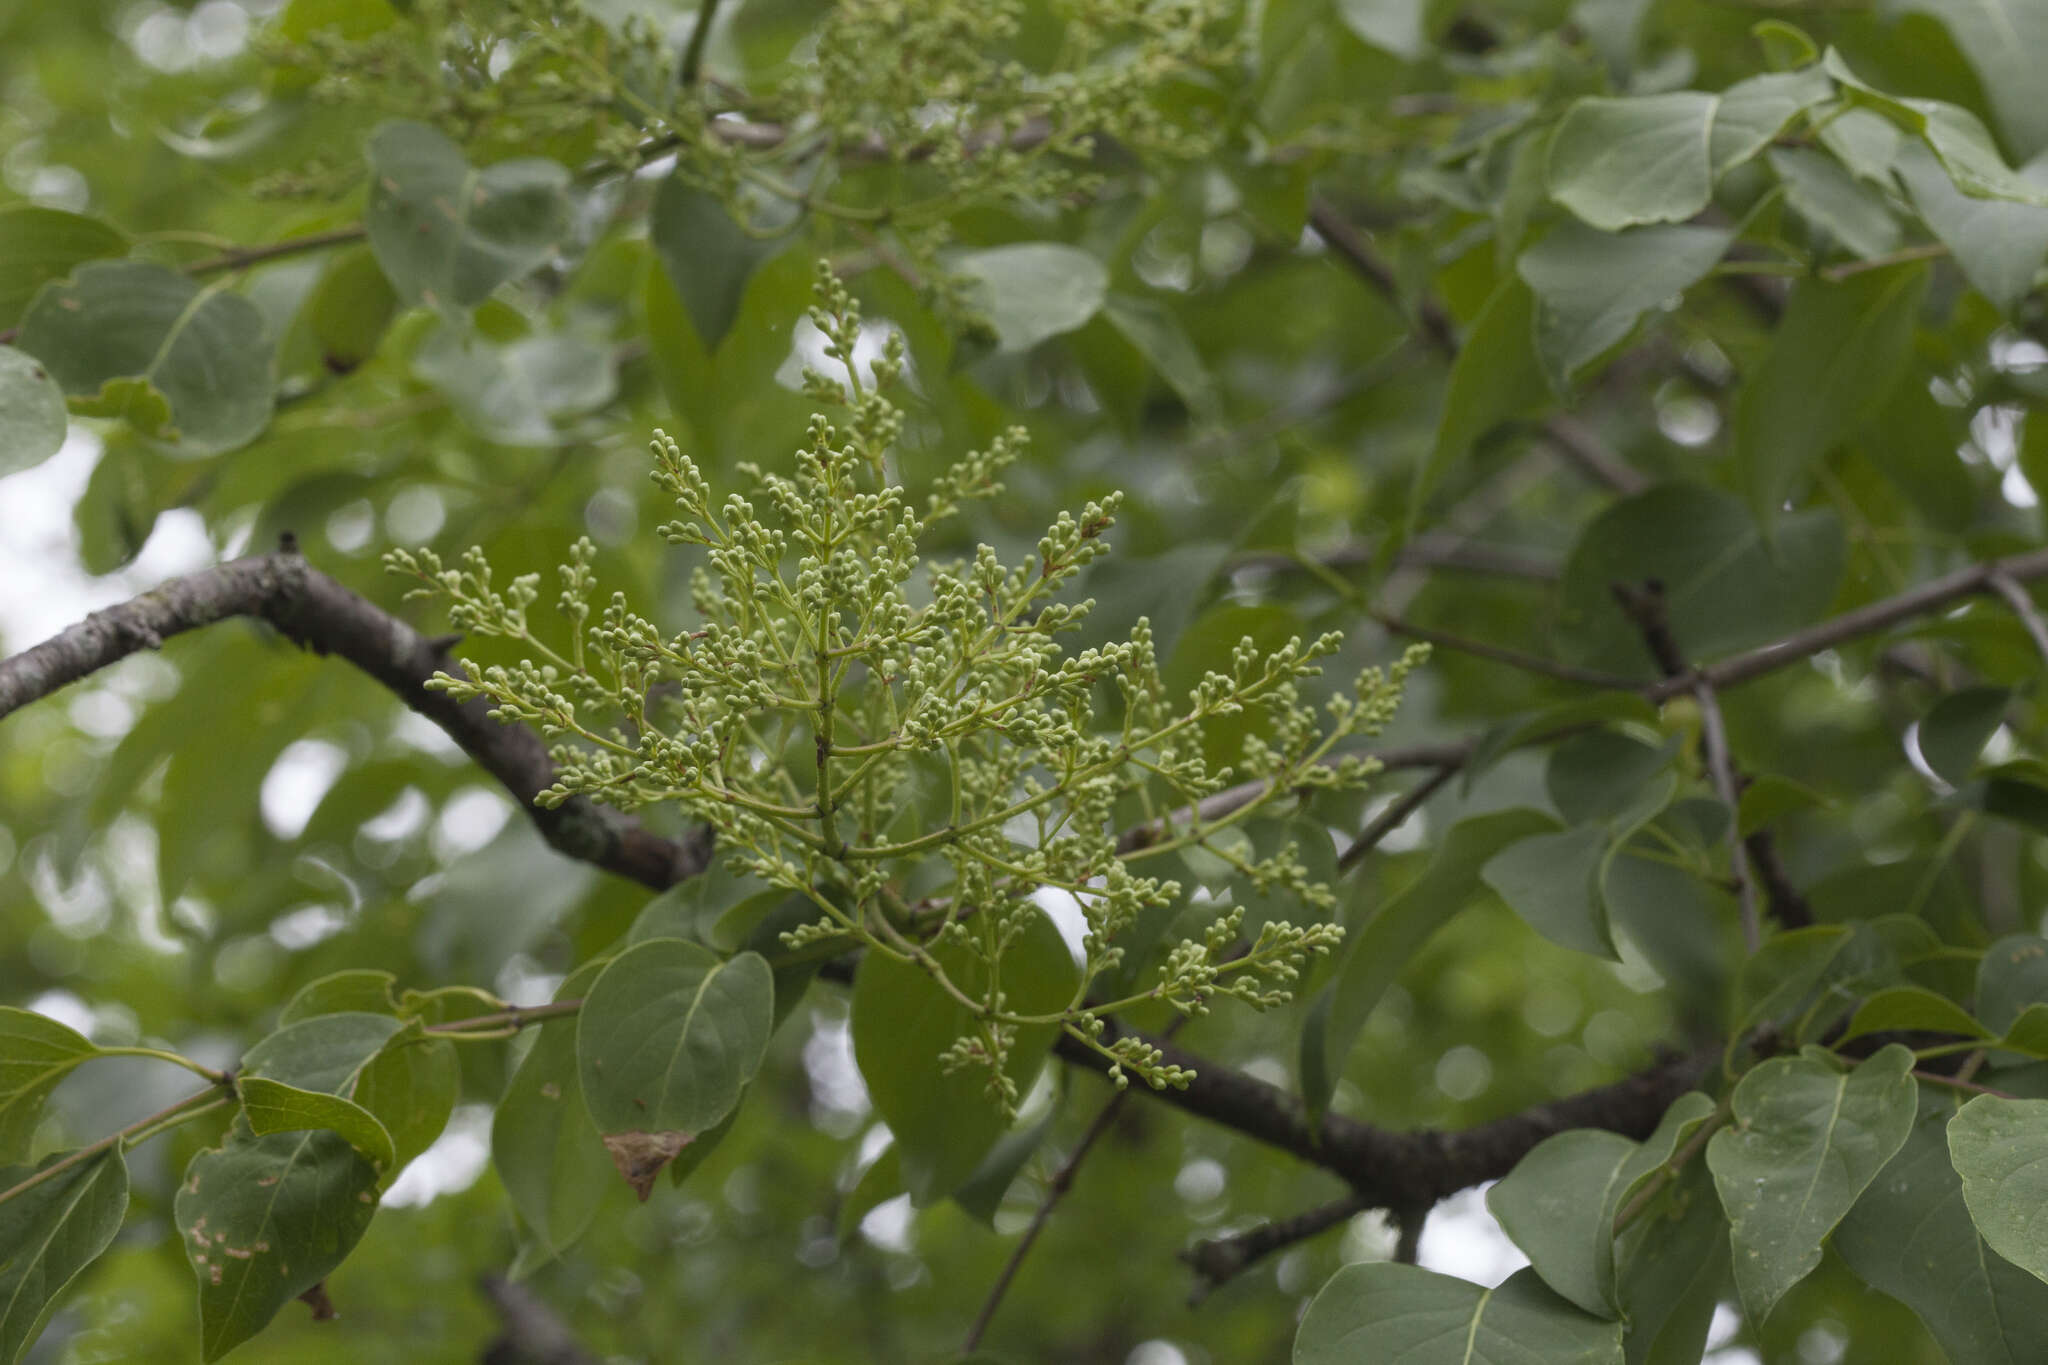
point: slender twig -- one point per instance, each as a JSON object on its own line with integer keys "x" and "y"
{"x": 242, "y": 257}
{"x": 2023, "y": 607}
{"x": 1694, "y": 1145}
{"x": 512, "y": 1018}
{"x": 189, "y": 1107}
{"x": 1513, "y": 658}
{"x": 1926, "y": 251}
{"x": 1958, "y": 1083}
{"x": 1218, "y": 1260}
{"x": 700, "y": 35}
{"x": 1394, "y": 816}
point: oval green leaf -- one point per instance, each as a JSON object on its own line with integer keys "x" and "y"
{"x": 32, "y": 416}
{"x": 50, "y": 1233}
{"x": 2000, "y": 1149}
{"x": 1383, "y": 1311}
{"x": 36, "y": 1052}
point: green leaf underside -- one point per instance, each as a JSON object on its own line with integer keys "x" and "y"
{"x": 2000, "y": 1149}
{"x": 36, "y": 1052}
{"x": 665, "y": 1045}
{"x": 545, "y": 1147}
{"x": 264, "y": 1219}
{"x": 1384, "y": 1312}
{"x": 274, "y": 1107}
{"x": 1806, "y": 1141}
{"x": 49, "y": 1234}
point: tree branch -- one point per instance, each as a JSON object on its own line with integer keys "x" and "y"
{"x": 1218, "y": 1260}
{"x": 320, "y": 614}
{"x": 1413, "y": 1169}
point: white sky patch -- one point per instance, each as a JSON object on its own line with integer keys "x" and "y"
{"x": 66, "y": 1008}
{"x": 1063, "y": 908}
{"x": 451, "y": 1165}
{"x": 296, "y": 784}
{"x": 1462, "y": 1239}
{"x": 887, "y": 1225}
{"x": 807, "y": 351}
{"x": 839, "y": 1098}
{"x": 1156, "y": 1352}
{"x": 470, "y": 819}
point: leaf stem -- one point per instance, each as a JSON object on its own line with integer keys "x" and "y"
{"x": 168, "y": 1117}
{"x": 161, "y": 1055}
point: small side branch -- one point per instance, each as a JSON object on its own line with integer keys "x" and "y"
{"x": 1219, "y": 1260}
{"x": 2022, "y": 606}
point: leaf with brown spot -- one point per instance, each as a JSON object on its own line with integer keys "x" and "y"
{"x": 640, "y": 1157}
{"x": 322, "y": 1306}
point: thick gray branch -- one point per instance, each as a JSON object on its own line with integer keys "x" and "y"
{"x": 320, "y": 614}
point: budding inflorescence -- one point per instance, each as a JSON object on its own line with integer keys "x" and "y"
{"x": 829, "y": 671}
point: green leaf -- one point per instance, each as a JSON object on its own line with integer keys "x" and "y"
{"x": 1831, "y": 362}
{"x": 1620, "y": 162}
{"x": 1911, "y": 1236}
{"x": 1032, "y": 291}
{"x": 1826, "y": 195}
{"x": 349, "y": 309}
{"x": 1672, "y": 1262}
{"x": 191, "y": 364}
{"x": 546, "y": 1149}
{"x": 708, "y": 256}
{"x": 2004, "y": 40}
{"x": 1998, "y": 246}
{"x": 1150, "y": 326}
{"x": 1915, "y": 1008}
{"x": 666, "y": 1043}
{"x": 1392, "y": 26}
{"x": 1556, "y": 1205}
{"x": 2000, "y": 1149}
{"x": 1549, "y": 881}
{"x": 1593, "y": 287}
{"x": 1771, "y": 797}
{"x": 1956, "y": 729}
{"x": 1376, "y": 951}
{"x": 1497, "y": 376}
{"x": 1599, "y": 775}
{"x": 274, "y": 1107}
{"x": 944, "y": 1121}
{"x": 1751, "y": 113}
{"x": 1725, "y": 586}
{"x": 2012, "y": 975}
{"x": 358, "y": 990}
{"x": 411, "y": 1087}
{"x": 32, "y": 416}
{"x": 2028, "y": 1034}
{"x": 1955, "y": 136}
{"x": 981, "y": 1194}
{"x": 326, "y": 1052}
{"x": 264, "y": 1219}
{"x": 448, "y": 234}
{"x": 1531, "y": 727}
{"x": 513, "y": 394}
{"x": 50, "y": 1233}
{"x": 36, "y": 1052}
{"x": 1808, "y": 1138}
{"x": 38, "y": 245}
{"x": 1382, "y": 1311}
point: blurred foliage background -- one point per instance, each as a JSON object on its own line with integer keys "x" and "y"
{"x": 188, "y": 838}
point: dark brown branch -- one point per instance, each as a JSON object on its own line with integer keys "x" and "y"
{"x": 1218, "y": 1260}
{"x": 320, "y": 614}
{"x": 1394, "y": 816}
{"x": 1413, "y": 1169}
{"x": 242, "y": 257}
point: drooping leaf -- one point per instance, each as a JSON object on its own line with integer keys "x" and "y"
{"x": 1672, "y": 1262}
{"x": 1823, "y": 192}
{"x": 1378, "y": 948}
{"x": 1911, "y": 1236}
{"x": 349, "y": 309}
{"x": 1555, "y": 1206}
{"x": 1839, "y": 350}
{"x": 1032, "y": 291}
{"x": 945, "y": 1121}
{"x": 325, "y": 1052}
{"x": 1393, "y": 26}
{"x": 1497, "y": 376}
{"x": 1617, "y": 163}
{"x": 1599, "y": 775}
{"x": 666, "y": 1043}
{"x": 1752, "y": 112}
{"x": 1382, "y": 1311}
{"x": 187, "y": 363}
{"x": 36, "y": 1052}
{"x": 274, "y": 1107}
{"x": 38, "y": 245}
{"x": 446, "y": 233}
{"x": 2003, "y": 40}
{"x": 358, "y": 990}
{"x": 709, "y": 257}
{"x": 1593, "y": 287}
{"x": 32, "y": 416}
{"x": 1956, "y": 729}
{"x": 1151, "y": 327}
{"x": 545, "y": 1147}
{"x": 2000, "y": 1149}
{"x": 263, "y": 1220}
{"x": 1999, "y": 246}
{"x": 2012, "y": 975}
{"x": 1954, "y": 134}
{"x": 411, "y": 1087}
{"x": 1808, "y": 1138}
{"x": 51, "y": 1232}
{"x": 1550, "y": 881}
